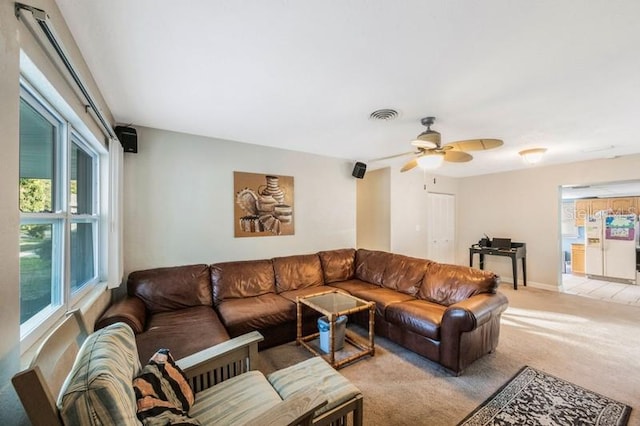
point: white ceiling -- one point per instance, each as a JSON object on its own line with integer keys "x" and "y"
{"x": 305, "y": 75}
{"x": 602, "y": 190}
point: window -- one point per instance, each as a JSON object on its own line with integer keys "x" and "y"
{"x": 60, "y": 216}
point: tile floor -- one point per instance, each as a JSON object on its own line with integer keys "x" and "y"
{"x": 614, "y": 292}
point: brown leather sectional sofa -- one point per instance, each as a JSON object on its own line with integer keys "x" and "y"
{"x": 447, "y": 313}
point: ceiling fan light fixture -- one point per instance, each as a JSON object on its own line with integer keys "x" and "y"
{"x": 431, "y": 161}
{"x": 430, "y": 153}
{"x": 533, "y": 155}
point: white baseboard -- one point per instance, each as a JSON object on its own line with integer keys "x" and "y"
{"x": 532, "y": 284}
{"x": 543, "y": 286}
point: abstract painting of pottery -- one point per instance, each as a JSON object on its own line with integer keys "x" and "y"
{"x": 263, "y": 204}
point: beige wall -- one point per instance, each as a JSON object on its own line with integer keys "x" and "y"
{"x": 409, "y": 233}
{"x": 13, "y": 37}
{"x": 521, "y": 205}
{"x": 392, "y": 209}
{"x": 178, "y": 201}
{"x": 10, "y": 408}
{"x": 373, "y": 210}
{"x": 525, "y": 206}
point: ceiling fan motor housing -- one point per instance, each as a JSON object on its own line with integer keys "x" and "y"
{"x": 428, "y": 121}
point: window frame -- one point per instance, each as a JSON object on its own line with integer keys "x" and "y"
{"x": 94, "y": 217}
{"x": 64, "y": 298}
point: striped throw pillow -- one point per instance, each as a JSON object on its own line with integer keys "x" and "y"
{"x": 162, "y": 392}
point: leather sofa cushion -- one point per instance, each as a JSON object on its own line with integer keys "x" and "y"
{"x": 370, "y": 265}
{"x": 449, "y": 284}
{"x": 169, "y": 289}
{"x": 255, "y": 313}
{"x": 295, "y": 272}
{"x": 404, "y": 273}
{"x": 183, "y": 332}
{"x": 338, "y": 265}
{"x": 351, "y": 286}
{"x": 419, "y": 316}
{"x": 237, "y": 280}
{"x": 383, "y": 298}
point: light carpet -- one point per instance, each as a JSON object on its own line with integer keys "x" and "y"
{"x": 592, "y": 343}
{"x": 533, "y": 397}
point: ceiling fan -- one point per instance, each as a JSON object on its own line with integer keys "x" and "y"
{"x": 431, "y": 153}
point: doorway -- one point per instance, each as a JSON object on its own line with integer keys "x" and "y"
{"x": 582, "y": 208}
{"x": 441, "y": 227}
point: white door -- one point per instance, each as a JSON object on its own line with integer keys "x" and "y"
{"x": 441, "y": 227}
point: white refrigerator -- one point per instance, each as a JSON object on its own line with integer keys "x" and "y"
{"x": 610, "y": 246}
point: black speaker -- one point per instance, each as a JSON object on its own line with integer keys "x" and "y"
{"x": 128, "y": 137}
{"x": 358, "y": 170}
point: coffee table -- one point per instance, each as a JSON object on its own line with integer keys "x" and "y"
{"x": 334, "y": 303}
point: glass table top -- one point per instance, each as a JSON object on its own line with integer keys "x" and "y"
{"x": 335, "y": 302}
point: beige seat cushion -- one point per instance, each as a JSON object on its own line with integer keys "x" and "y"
{"x": 314, "y": 373}
{"x": 235, "y": 401}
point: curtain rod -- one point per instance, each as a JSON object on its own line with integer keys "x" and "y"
{"x": 42, "y": 18}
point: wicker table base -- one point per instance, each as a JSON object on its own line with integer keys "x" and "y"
{"x": 333, "y": 304}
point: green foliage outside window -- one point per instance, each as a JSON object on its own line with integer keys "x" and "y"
{"x": 35, "y": 195}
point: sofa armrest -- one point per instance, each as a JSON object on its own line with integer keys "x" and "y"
{"x": 131, "y": 310}
{"x": 296, "y": 410}
{"x": 471, "y": 313}
{"x": 221, "y": 362}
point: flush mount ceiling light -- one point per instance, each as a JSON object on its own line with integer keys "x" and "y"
{"x": 533, "y": 155}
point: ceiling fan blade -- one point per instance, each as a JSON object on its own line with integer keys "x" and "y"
{"x": 475, "y": 144}
{"x": 410, "y": 165}
{"x": 390, "y": 157}
{"x": 421, "y": 144}
{"x": 457, "y": 156}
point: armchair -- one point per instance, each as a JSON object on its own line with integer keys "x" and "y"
{"x": 93, "y": 376}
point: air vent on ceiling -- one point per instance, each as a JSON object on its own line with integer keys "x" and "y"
{"x": 384, "y": 114}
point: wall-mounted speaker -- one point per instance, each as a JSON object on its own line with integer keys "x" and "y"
{"x": 128, "y": 137}
{"x": 358, "y": 170}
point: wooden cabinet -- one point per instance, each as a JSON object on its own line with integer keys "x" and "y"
{"x": 599, "y": 204}
{"x": 582, "y": 211}
{"x": 577, "y": 259}
{"x": 588, "y": 206}
{"x": 623, "y": 205}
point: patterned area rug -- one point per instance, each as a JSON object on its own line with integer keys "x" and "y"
{"x": 536, "y": 398}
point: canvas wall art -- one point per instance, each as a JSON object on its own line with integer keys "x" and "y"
{"x": 263, "y": 205}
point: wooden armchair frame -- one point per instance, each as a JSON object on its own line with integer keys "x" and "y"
{"x": 39, "y": 385}
{"x": 236, "y": 356}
